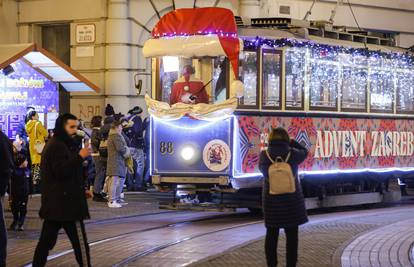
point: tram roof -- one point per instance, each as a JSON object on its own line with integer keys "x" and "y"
{"x": 303, "y": 34}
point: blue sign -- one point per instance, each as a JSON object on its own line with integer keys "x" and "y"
{"x": 191, "y": 147}
{"x": 22, "y": 88}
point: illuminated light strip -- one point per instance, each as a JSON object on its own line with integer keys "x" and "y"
{"x": 322, "y": 172}
{"x": 198, "y": 127}
{"x": 150, "y": 155}
{"x": 235, "y": 142}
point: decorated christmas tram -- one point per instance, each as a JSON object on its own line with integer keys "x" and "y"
{"x": 218, "y": 88}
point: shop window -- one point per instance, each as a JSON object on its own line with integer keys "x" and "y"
{"x": 382, "y": 90}
{"x": 324, "y": 80}
{"x": 295, "y": 77}
{"x": 354, "y": 82}
{"x": 220, "y": 79}
{"x": 271, "y": 69}
{"x": 248, "y": 75}
{"x": 405, "y": 92}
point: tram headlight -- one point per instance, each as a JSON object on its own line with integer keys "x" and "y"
{"x": 187, "y": 153}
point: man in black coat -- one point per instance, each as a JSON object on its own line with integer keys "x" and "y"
{"x": 6, "y": 168}
{"x": 63, "y": 202}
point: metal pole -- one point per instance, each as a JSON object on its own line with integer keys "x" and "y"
{"x": 155, "y": 9}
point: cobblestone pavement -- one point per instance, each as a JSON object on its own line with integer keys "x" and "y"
{"x": 378, "y": 237}
{"x": 143, "y": 235}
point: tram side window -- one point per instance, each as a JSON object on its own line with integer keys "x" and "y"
{"x": 248, "y": 75}
{"x": 405, "y": 92}
{"x": 271, "y": 78}
{"x": 295, "y": 77}
{"x": 381, "y": 86}
{"x": 324, "y": 80}
{"x": 220, "y": 79}
{"x": 354, "y": 82}
{"x": 170, "y": 68}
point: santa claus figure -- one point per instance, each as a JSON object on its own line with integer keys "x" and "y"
{"x": 188, "y": 89}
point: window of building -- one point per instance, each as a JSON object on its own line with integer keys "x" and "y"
{"x": 272, "y": 72}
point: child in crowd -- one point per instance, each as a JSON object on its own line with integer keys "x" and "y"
{"x": 19, "y": 190}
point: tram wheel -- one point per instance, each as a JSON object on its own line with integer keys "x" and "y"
{"x": 256, "y": 211}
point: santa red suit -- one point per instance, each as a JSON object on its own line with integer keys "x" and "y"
{"x": 188, "y": 90}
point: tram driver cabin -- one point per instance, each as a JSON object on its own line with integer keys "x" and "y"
{"x": 347, "y": 97}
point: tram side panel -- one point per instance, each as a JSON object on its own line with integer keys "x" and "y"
{"x": 346, "y": 155}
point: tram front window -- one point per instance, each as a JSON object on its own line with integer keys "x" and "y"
{"x": 271, "y": 78}
{"x": 170, "y": 71}
{"x": 248, "y": 75}
{"x": 220, "y": 79}
{"x": 295, "y": 77}
{"x": 324, "y": 80}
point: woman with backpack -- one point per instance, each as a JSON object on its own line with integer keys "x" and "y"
{"x": 283, "y": 207}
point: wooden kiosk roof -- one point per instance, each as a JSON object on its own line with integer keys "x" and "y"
{"x": 47, "y": 64}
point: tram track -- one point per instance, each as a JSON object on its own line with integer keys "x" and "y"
{"x": 201, "y": 218}
{"x": 155, "y": 249}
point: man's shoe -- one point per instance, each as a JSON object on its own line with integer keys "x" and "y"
{"x": 99, "y": 198}
{"x": 20, "y": 228}
{"x": 114, "y": 204}
{"x": 13, "y": 226}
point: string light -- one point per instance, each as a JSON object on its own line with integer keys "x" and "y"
{"x": 332, "y": 71}
{"x": 219, "y": 33}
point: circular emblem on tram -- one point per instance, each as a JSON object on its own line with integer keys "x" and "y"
{"x": 216, "y": 155}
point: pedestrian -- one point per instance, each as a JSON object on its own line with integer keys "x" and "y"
{"x": 100, "y": 166}
{"x": 136, "y": 135}
{"x": 37, "y": 138}
{"x": 287, "y": 210}
{"x": 118, "y": 152}
{"x": 63, "y": 202}
{"x": 6, "y": 168}
{"x": 19, "y": 189}
{"x": 103, "y": 152}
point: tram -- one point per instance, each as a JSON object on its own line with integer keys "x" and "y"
{"x": 347, "y": 97}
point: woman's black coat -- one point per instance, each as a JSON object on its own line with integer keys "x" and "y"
{"x": 286, "y": 210}
{"x": 63, "y": 194}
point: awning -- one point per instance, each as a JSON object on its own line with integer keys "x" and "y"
{"x": 47, "y": 64}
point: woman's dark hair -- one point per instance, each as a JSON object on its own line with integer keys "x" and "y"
{"x": 115, "y": 124}
{"x": 96, "y": 121}
{"x": 61, "y": 121}
{"x": 279, "y": 135}
{"x": 31, "y": 114}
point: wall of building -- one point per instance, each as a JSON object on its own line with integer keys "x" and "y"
{"x": 121, "y": 32}
{"x": 8, "y": 20}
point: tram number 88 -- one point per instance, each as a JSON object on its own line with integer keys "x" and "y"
{"x": 166, "y": 147}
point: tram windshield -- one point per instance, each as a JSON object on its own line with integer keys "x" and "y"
{"x": 193, "y": 80}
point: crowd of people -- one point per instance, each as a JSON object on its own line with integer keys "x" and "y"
{"x": 64, "y": 164}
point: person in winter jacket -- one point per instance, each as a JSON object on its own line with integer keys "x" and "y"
{"x": 37, "y": 135}
{"x": 6, "y": 168}
{"x": 116, "y": 169}
{"x": 19, "y": 190}
{"x": 136, "y": 134}
{"x": 63, "y": 200}
{"x": 100, "y": 165}
{"x": 285, "y": 211}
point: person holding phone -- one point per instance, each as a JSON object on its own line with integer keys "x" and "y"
{"x": 63, "y": 202}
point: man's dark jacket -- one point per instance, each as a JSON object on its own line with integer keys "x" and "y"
{"x": 6, "y": 162}
{"x": 63, "y": 194}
